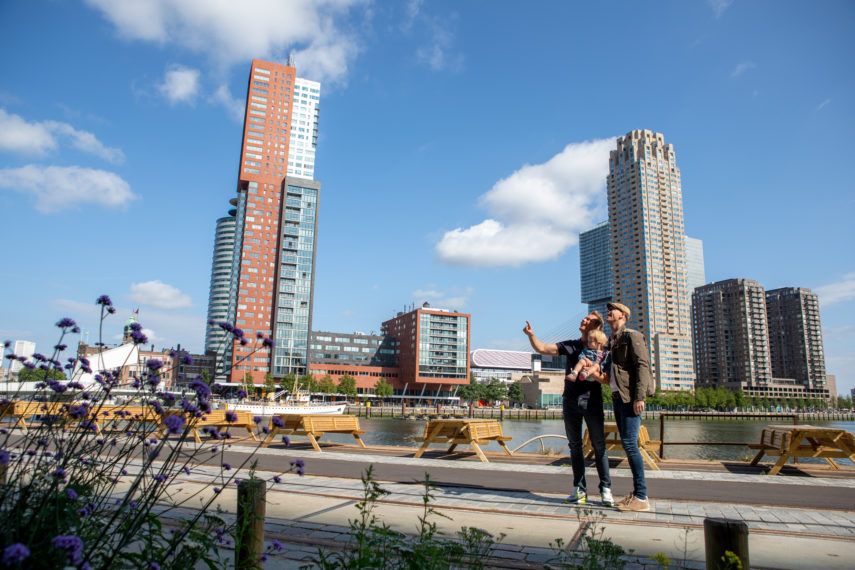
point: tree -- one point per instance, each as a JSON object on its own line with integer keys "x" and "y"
{"x": 326, "y": 385}
{"x": 383, "y": 389}
{"x": 347, "y": 385}
{"x": 495, "y": 391}
{"x": 287, "y": 382}
{"x": 248, "y": 384}
{"x": 515, "y": 393}
{"x": 307, "y": 382}
{"x": 471, "y": 392}
{"x": 39, "y": 374}
{"x": 269, "y": 383}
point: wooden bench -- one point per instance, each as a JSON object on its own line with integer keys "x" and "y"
{"x": 216, "y": 419}
{"x": 22, "y": 410}
{"x": 648, "y": 448}
{"x": 473, "y": 432}
{"x": 795, "y": 441}
{"x": 314, "y": 426}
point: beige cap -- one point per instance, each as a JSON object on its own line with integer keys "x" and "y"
{"x": 620, "y": 307}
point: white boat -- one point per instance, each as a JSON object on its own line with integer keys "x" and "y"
{"x": 265, "y": 409}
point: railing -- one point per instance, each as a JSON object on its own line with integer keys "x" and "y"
{"x": 706, "y": 415}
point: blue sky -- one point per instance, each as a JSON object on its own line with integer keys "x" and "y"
{"x": 463, "y": 146}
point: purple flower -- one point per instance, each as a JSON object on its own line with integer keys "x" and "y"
{"x": 286, "y": 440}
{"x": 186, "y": 359}
{"x": 217, "y": 489}
{"x": 15, "y": 553}
{"x": 277, "y": 479}
{"x": 237, "y": 332}
{"x": 111, "y": 310}
{"x": 103, "y": 300}
{"x": 277, "y": 421}
{"x": 66, "y": 323}
{"x": 276, "y": 546}
{"x": 186, "y": 470}
{"x": 154, "y": 566}
{"x": 59, "y": 474}
{"x": 72, "y": 545}
{"x": 175, "y": 424}
{"x": 202, "y": 389}
{"x": 267, "y": 341}
{"x": 257, "y": 419}
{"x": 241, "y": 394}
{"x": 154, "y": 365}
{"x": 72, "y": 494}
{"x": 160, "y": 477}
{"x": 266, "y": 430}
{"x": 60, "y": 347}
{"x": 138, "y": 337}
{"x": 75, "y": 330}
{"x": 4, "y": 457}
{"x": 231, "y": 417}
{"x": 226, "y": 466}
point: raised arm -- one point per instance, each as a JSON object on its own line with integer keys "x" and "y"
{"x": 539, "y": 347}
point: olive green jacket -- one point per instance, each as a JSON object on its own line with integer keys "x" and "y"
{"x": 630, "y": 365}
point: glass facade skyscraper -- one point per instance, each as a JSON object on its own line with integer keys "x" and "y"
{"x": 649, "y": 270}
{"x": 595, "y": 267}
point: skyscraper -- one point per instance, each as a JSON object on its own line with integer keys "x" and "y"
{"x": 595, "y": 267}
{"x": 795, "y": 336}
{"x": 220, "y": 290}
{"x": 731, "y": 338}
{"x": 275, "y": 222}
{"x": 695, "y": 263}
{"x": 649, "y": 272}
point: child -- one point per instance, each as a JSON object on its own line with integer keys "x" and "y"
{"x": 591, "y": 355}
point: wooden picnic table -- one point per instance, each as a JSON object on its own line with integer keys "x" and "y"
{"x": 473, "y": 432}
{"x": 314, "y": 426}
{"x": 793, "y": 441}
{"x": 646, "y": 447}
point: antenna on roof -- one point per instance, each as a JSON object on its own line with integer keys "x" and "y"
{"x": 291, "y": 60}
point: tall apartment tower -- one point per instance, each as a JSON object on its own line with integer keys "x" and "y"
{"x": 695, "y": 263}
{"x": 795, "y": 336}
{"x": 731, "y": 338}
{"x": 431, "y": 350}
{"x": 275, "y": 215}
{"x": 595, "y": 267}
{"x": 649, "y": 253}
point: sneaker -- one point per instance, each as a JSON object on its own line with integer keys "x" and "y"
{"x": 606, "y": 498}
{"x": 635, "y": 505}
{"x": 579, "y": 497}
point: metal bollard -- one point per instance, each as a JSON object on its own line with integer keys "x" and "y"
{"x": 723, "y": 535}
{"x": 251, "y": 501}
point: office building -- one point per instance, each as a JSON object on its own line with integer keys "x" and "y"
{"x": 649, "y": 272}
{"x": 795, "y": 336}
{"x": 505, "y": 365}
{"x": 271, "y": 279}
{"x": 731, "y": 339}
{"x": 431, "y": 350}
{"x": 595, "y": 267}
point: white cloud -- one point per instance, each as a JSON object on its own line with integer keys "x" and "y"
{"x": 230, "y": 32}
{"x": 438, "y": 53}
{"x": 832, "y": 293}
{"x": 455, "y": 299}
{"x": 719, "y": 6}
{"x": 235, "y": 107}
{"x": 18, "y": 135}
{"x": 823, "y": 104}
{"x": 158, "y": 294}
{"x": 180, "y": 84}
{"x": 742, "y": 67}
{"x": 537, "y": 211}
{"x": 57, "y": 188}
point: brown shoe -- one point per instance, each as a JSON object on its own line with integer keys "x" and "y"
{"x": 635, "y": 505}
{"x": 626, "y": 499}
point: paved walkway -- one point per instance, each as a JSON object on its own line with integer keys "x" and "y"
{"x": 313, "y": 511}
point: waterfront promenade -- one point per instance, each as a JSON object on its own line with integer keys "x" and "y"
{"x": 804, "y": 518}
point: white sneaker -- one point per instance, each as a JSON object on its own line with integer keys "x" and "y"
{"x": 607, "y": 499}
{"x": 579, "y": 497}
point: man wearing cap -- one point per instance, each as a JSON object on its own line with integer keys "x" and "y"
{"x": 581, "y": 399}
{"x": 627, "y": 368}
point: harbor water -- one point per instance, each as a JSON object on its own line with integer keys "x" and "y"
{"x": 396, "y": 431}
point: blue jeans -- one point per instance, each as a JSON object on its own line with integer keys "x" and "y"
{"x": 628, "y": 424}
{"x": 594, "y": 420}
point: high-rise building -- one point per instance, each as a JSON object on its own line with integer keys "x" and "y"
{"x": 275, "y": 226}
{"x": 731, "y": 338}
{"x": 431, "y": 349}
{"x": 22, "y": 348}
{"x": 649, "y": 272}
{"x": 219, "y": 294}
{"x": 595, "y": 267}
{"x": 795, "y": 336}
{"x": 695, "y": 263}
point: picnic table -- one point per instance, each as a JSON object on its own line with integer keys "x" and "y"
{"x": 314, "y": 426}
{"x": 473, "y": 432}
{"x": 794, "y": 441}
{"x": 646, "y": 447}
